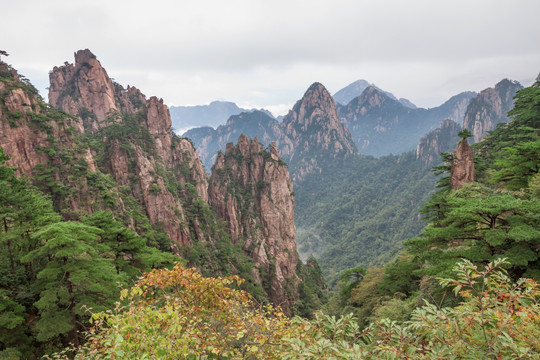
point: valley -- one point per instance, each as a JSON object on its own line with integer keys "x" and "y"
{"x": 350, "y": 204}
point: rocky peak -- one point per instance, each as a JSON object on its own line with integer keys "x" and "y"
{"x": 83, "y": 85}
{"x": 371, "y": 97}
{"x": 250, "y": 188}
{"x": 316, "y": 99}
{"x": 462, "y": 167}
{"x": 490, "y": 107}
{"x": 345, "y": 95}
{"x": 314, "y": 128}
{"x": 139, "y": 146}
{"x": 439, "y": 140}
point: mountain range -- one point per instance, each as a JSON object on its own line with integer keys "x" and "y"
{"x": 378, "y": 123}
{"x": 212, "y": 115}
{"x": 100, "y": 147}
{"x": 355, "y": 89}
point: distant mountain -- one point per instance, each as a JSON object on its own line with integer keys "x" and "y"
{"x": 382, "y": 125}
{"x": 214, "y": 114}
{"x": 407, "y": 103}
{"x": 490, "y": 108}
{"x": 317, "y": 135}
{"x": 310, "y": 135}
{"x": 256, "y": 123}
{"x": 351, "y": 91}
{"x": 442, "y": 139}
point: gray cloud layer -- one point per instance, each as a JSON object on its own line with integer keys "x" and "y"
{"x": 264, "y": 53}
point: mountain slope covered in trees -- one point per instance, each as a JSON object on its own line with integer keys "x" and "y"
{"x": 98, "y": 190}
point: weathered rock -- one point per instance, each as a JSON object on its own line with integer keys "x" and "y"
{"x": 84, "y": 89}
{"x": 490, "y": 107}
{"x": 439, "y": 140}
{"x": 462, "y": 167}
{"x": 20, "y": 137}
{"x": 251, "y": 190}
{"x": 314, "y": 128}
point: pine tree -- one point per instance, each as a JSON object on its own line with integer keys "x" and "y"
{"x": 73, "y": 278}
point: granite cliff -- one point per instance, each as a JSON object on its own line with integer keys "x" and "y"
{"x": 250, "y": 188}
{"x": 462, "y": 166}
{"x": 442, "y": 139}
{"x": 490, "y": 107}
{"x": 138, "y": 140}
{"x": 252, "y": 124}
{"x": 318, "y": 137}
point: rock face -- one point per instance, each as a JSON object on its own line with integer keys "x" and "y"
{"x": 19, "y": 142}
{"x": 462, "y": 167}
{"x": 317, "y": 134}
{"x": 490, "y": 107}
{"x": 137, "y": 132}
{"x": 114, "y": 151}
{"x": 439, "y": 140}
{"x": 251, "y": 190}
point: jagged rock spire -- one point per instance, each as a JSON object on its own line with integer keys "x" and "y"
{"x": 462, "y": 168}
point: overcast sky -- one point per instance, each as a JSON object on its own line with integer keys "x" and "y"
{"x": 267, "y": 53}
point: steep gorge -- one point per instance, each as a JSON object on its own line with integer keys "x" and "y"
{"x": 99, "y": 146}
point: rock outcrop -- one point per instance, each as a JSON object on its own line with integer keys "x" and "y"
{"x": 250, "y": 188}
{"x": 490, "y": 107}
{"x": 317, "y": 135}
{"x": 442, "y": 139}
{"x": 20, "y": 143}
{"x": 462, "y": 167}
{"x": 137, "y": 133}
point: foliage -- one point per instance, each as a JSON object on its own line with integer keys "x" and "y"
{"x": 312, "y": 290}
{"x": 516, "y": 163}
{"x": 497, "y": 319}
{"x": 360, "y": 213}
{"x": 349, "y": 279}
{"x": 179, "y": 314}
{"x": 481, "y": 225}
{"x": 465, "y": 133}
{"x": 495, "y": 217}
{"x": 50, "y": 268}
{"x": 72, "y": 274}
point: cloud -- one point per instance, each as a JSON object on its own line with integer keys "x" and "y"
{"x": 269, "y": 52}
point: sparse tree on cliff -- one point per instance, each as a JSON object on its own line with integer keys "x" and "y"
{"x": 465, "y": 133}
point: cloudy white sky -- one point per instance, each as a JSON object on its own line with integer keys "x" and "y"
{"x": 267, "y": 53}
